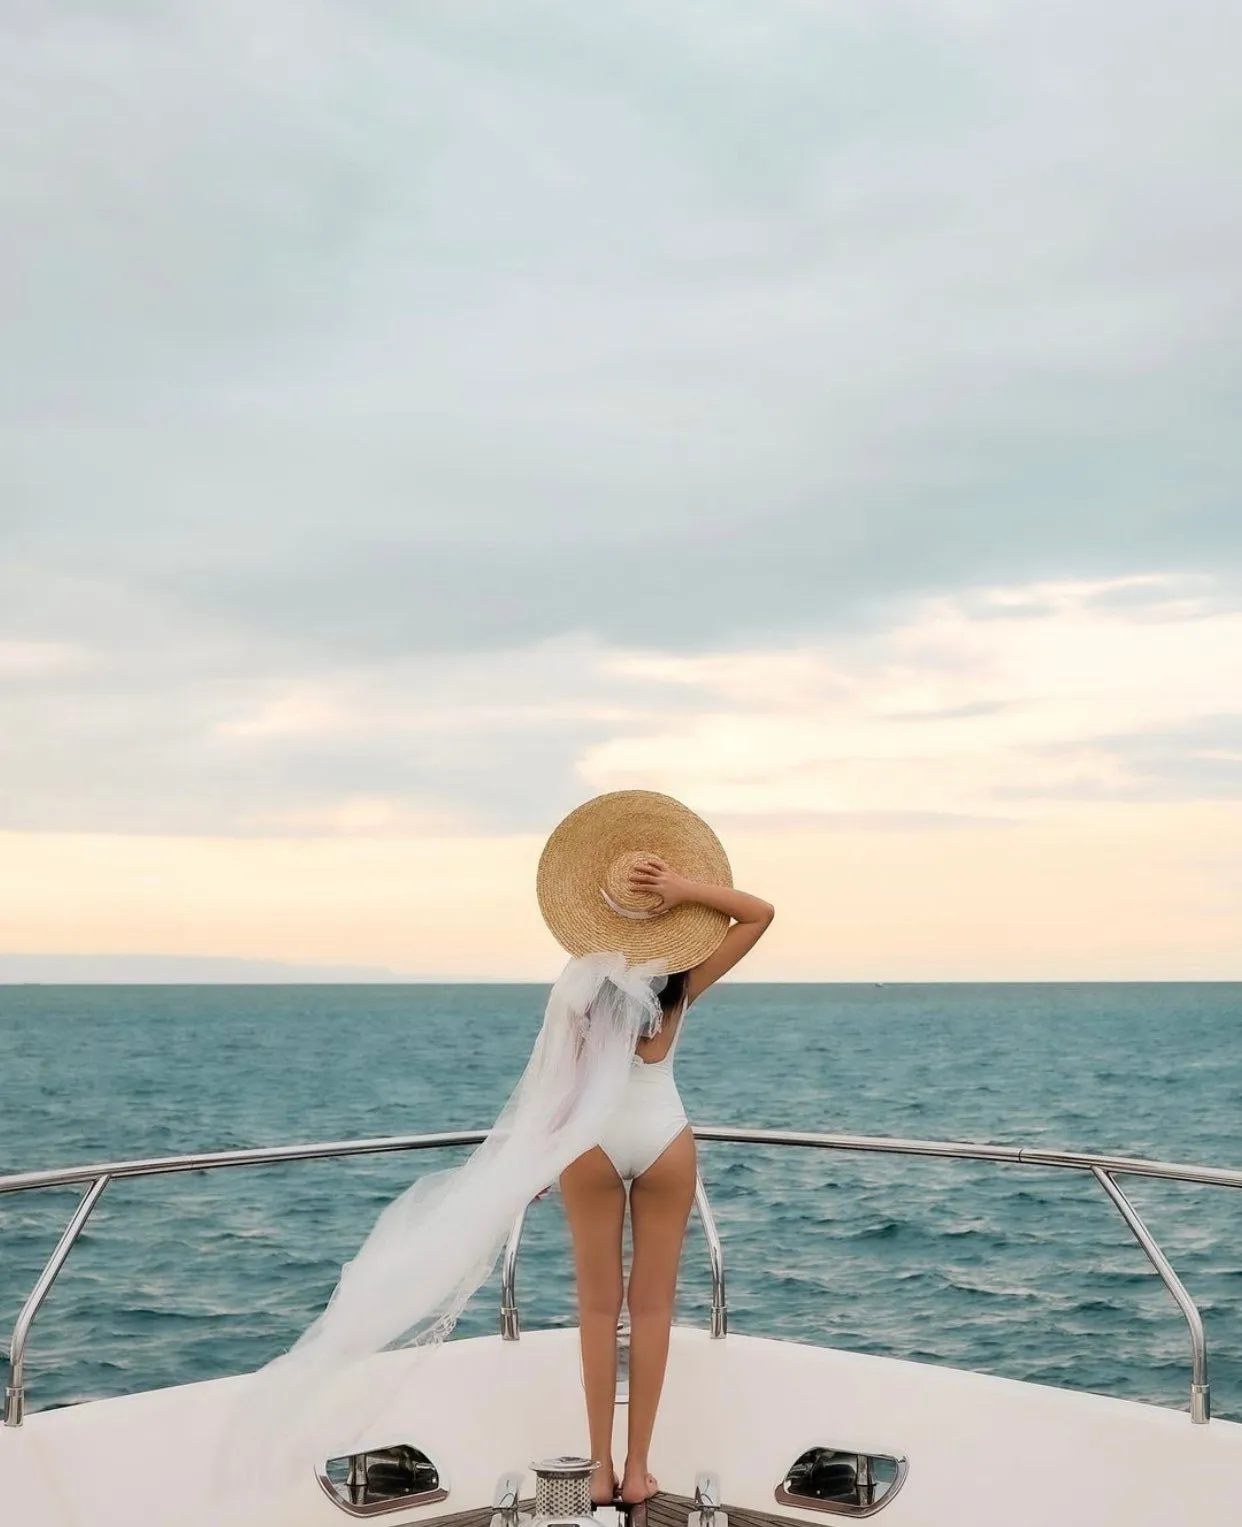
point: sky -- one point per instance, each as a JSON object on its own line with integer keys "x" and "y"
{"x": 415, "y": 419}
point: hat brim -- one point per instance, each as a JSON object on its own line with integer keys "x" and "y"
{"x": 573, "y": 869}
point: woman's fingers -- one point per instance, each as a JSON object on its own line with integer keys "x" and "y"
{"x": 650, "y": 875}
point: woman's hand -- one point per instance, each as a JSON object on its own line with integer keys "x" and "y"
{"x": 654, "y": 875}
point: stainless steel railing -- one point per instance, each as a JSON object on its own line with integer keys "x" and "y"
{"x": 1105, "y": 1170}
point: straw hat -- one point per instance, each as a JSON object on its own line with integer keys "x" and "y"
{"x": 583, "y": 879}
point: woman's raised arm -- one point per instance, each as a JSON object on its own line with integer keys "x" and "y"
{"x": 751, "y": 917}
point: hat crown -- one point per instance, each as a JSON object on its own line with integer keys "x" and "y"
{"x": 618, "y": 888}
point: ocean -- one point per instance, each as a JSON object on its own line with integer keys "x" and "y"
{"x": 1020, "y": 1271}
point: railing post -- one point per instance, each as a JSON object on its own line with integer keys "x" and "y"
{"x": 715, "y": 1252}
{"x": 1200, "y": 1391}
{"x": 510, "y": 1320}
{"x": 15, "y": 1390}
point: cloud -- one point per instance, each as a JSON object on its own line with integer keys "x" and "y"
{"x": 1199, "y": 761}
{"x": 415, "y": 418}
{"x": 40, "y": 660}
{"x": 992, "y": 705}
{"x": 300, "y": 712}
{"x": 220, "y": 741}
{"x": 355, "y": 817}
{"x": 997, "y": 704}
{"x": 377, "y": 331}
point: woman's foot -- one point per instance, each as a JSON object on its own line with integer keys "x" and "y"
{"x": 637, "y": 1485}
{"x": 604, "y": 1484}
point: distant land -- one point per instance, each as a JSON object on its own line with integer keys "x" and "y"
{"x": 208, "y": 970}
{"x": 179, "y": 970}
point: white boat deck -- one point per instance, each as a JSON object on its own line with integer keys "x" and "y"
{"x": 978, "y": 1451}
{"x": 982, "y": 1451}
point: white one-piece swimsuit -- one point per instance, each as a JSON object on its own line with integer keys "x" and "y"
{"x": 649, "y": 1116}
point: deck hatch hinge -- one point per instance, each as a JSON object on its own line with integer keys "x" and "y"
{"x": 505, "y": 1499}
{"x": 707, "y": 1512}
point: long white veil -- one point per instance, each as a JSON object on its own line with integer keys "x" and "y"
{"x": 433, "y": 1247}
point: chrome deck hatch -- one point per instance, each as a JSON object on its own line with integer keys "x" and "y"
{"x": 382, "y": 1479}
{"x": 842, "y": 1481}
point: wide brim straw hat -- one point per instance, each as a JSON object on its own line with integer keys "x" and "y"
{"x": 583, "y": 880}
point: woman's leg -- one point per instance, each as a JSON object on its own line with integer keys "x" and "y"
{"x": 659, "y": 1207}
{"x": 595, "y": 1207}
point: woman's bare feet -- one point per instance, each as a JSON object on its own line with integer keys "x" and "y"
{"x": 604, "y": 1483}
{"x": 637, "y": 1485}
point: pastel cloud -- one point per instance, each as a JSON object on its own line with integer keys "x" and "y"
{"x": 1014, "y": 783}
{"x": 990, "y": 705}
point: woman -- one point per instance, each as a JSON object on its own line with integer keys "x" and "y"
{"x": 648, "y": 1143}
{"x": 596, "y": 1103}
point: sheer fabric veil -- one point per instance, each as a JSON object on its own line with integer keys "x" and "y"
{"x": 433, "y": 1247}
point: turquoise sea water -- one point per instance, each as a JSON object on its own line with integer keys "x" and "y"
{"x": 1019, "y": 1271}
